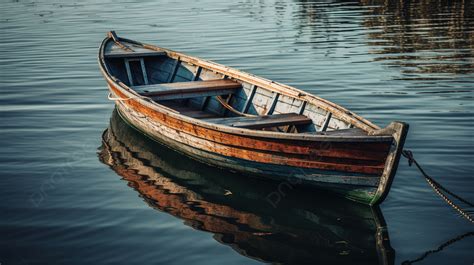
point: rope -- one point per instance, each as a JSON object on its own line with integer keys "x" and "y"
{"x": 445, "y": 244}
{"x": 230, "y": 108}
{"x": 438, "y": 188}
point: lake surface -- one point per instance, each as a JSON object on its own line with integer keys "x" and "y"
{"x": 68, "y": 197}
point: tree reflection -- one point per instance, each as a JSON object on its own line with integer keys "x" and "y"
{"x": 434, "y": 36}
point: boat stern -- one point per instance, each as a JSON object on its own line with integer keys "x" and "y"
{"x": 399, "y": 131}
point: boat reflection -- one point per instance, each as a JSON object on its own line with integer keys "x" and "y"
{"x": 301, "y": 228}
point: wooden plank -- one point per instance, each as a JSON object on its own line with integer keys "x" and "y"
{"x": 207, "y": 74}
{"x": 117, "y": 43}
{"x": 175, "y": 69}
{"x": 172, "y": 88}
{"x": 205, "y": 102}
{"x": 303, "y": 106}
{"x": 265, "y": 121}
{"x": 114, "y": 36}
{"x": 262, "y": 100}
{"x": 183, "y": 90}
{"x": 199, "y": 114}
{"x": 343, "y": 132}
{"x": 249, "y": 99}
{"x": 287, "y": 104}
{"x": 316, "y": 114}
{"x": 129, "y": 73}
{"x": 145, "y": 76}
{"x": 195, "y": 76}
{"x": 123, "y": 49}
{"x": 164, "y": 65}
{"x": 184, "y": 73}
{"x": 183, "y": 94}
{"x": 324, "y": 126}
{"x": 125, "y": 54}
{"x": 198, "y": 73}
{"x": 274, "y": 121}
{"x": 273, "y": 104}
{"x": 292, "y": 128}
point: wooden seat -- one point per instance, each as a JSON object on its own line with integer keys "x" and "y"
{"x": 265, "y": 121}
{"x": 192, "y": 89}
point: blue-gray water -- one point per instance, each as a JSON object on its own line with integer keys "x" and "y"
{"x": 60, "y": 204}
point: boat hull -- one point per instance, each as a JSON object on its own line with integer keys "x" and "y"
{"x": 355, "y": 186}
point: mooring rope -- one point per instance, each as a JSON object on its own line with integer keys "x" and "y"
{"x": 438, "y": 188}
{"x": 441, "y": 247}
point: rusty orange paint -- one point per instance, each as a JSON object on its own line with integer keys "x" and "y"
{"x": 270, "y": 152}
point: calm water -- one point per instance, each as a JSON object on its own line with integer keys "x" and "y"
{"x": 68, "y": 198}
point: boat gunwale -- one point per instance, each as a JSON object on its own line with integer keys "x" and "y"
{"x": 130, "y": 94}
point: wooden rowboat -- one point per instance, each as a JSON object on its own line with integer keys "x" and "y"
{"x": 234, "y": 120}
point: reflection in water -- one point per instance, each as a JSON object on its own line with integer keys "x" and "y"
{"x": 433, "y": 36}
{"x": 303, "y": 228}
{"x": 440, "y": 248}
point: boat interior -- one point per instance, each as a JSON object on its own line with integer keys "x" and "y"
{"x": 204, "y": 94}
